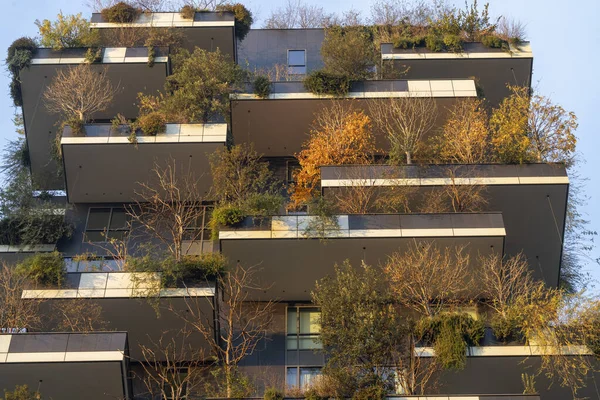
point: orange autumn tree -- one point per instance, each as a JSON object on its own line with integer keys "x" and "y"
{"x": 340, "y": 136}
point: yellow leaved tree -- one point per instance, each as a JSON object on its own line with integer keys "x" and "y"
{"x": 340, "y": 136}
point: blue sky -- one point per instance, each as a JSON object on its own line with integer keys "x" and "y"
{"x": 564, "y": 38}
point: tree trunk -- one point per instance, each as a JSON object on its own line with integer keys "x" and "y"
{"x": 228, "y": 380}
{"x": 408, "y": 158}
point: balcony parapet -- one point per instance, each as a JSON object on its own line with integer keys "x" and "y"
{"x": 63, "y": 347}
{"x": 513, "y": 351}
{"x": 109, "y": 55}
{"x": 116, "y": 285}
{"x": 473, "y": 50}
{"x": 169, "y": 20}
{"x": 440, "y": 175}
{"x": 373, "y": 90}
{"x": 370, "y": 226}
{"x": 174, "y": 133}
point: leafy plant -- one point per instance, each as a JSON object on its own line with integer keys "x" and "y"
{"x": 46, "y": 269}
{"x": 450, "y": 334}
{"x": 32, "y": 228}
{"x": 19, "y": 56}
{"x": 272, "y": 393}
{"x": 199, "y": 88}
{"x": 434, "y": 43}
{"x": 77, "y": 126}
{"x": 67, "y": 31}
{"x": 453, "y": 43}
{"x": 349, "y": 51}
{"x": 243, "y": 17}
{"x": 93, "y": 55}
{"x": 262, "y": 86}
{"x": 321, "y": 82}
{"x": 21, "y": 393}
{"x": 152, "y": 123}
{"x": 120, "y": 13}
{"x": 409, "y": 42}
{"x": 151, "y": 56}
{"x": 187, "y": 11}
{"x": 227, "y": 215}
{"x": 189, "y": 271}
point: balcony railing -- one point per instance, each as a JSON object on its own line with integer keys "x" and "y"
{"x": 116, "y": 285}
{"x": 436, "y": 175}
{"x": 108, "y": 55}
{"x": 63, "y": 347}
{"x": 374, "y": 89}
{"x": 170, "y": 20}
{"x": 470, "y": 51}
{"x": 377, "y": 225}
{"x": 174, "y": 133}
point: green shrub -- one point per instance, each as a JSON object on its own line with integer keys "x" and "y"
{"x": 67, "y": 31}
{"x": 273, "y": 394}
{"x": 225, "y": 216}
{"x": 152, "y": 123}
{"x": 321, "y": 82}
{"x": 187, "y": 12}
{"x": 494, "y": 42}
{"x": 243, "y": 18}
{"x": 450, "y": 334}
{"x": 262, "y": 87}
{"x": 21, "y": 393}
{"x": 409, "y": 42}
{"x": 453, "y": 43}
{"x": 120, "y": 13}
{"x": 46, "y": 269}
{"x": 77, "y": 126}
{"x": 19, "y": 56}
{"x": 434, "y": 43}
{"x": 33, "y": 228}
{"x": 264, "y": 204}
{"x": 93, "y": 55}
{"x": 151, "y": 56}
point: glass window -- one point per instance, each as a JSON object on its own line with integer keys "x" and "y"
{"x": 308, "y": 376}
{"x": 297, "y": 62}
{"x": 292, "y": 377}
{"x": 296, "y": 58}
{"x": 106, "y": 223}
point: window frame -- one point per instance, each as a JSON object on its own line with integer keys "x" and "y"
{"x": 106, "y": 231}
{"x": 292, "y": 67}
{"x": 297, "y": 335}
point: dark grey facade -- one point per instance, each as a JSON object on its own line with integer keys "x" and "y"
{"x": 101, "y": 171}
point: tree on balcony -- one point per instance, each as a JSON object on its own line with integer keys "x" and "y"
{"x": 243, "y": 322}
{"x": 66, "y": 31}
{"x": 340, "y": 136}
{"x": 406, "y": 122}
{"x": 16, "y": 312}
{"x": 78, "y": 93}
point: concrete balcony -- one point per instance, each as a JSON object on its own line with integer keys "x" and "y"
{"x": 103, "y": 166}
{"x": 67, "y": 365}
{"x": 279, "y": 124}
{"x": 532, "y": 199}
{"x": 126, "y": 68}
{"x": 136, "y": 303}
{"x": 493, "y": 68}
{"x": 207, "y": 30}
{"x": 292, "y": 256}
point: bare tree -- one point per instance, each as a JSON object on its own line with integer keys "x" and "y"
{"x": 243, "y": 322}
{"x": 511, "y": 30}
{"x": 296, "y": 14}
{"x": 79, "y": 92}
{"x": 427, "y": 279}
{"x": 76, "y": 315}
{"x": 168, "y": 205}
{"x": 503, "y": 280}
{"x": 15, "y": 312}
{"x": 165, "y": 374}
{"x": 406, "y": 121}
